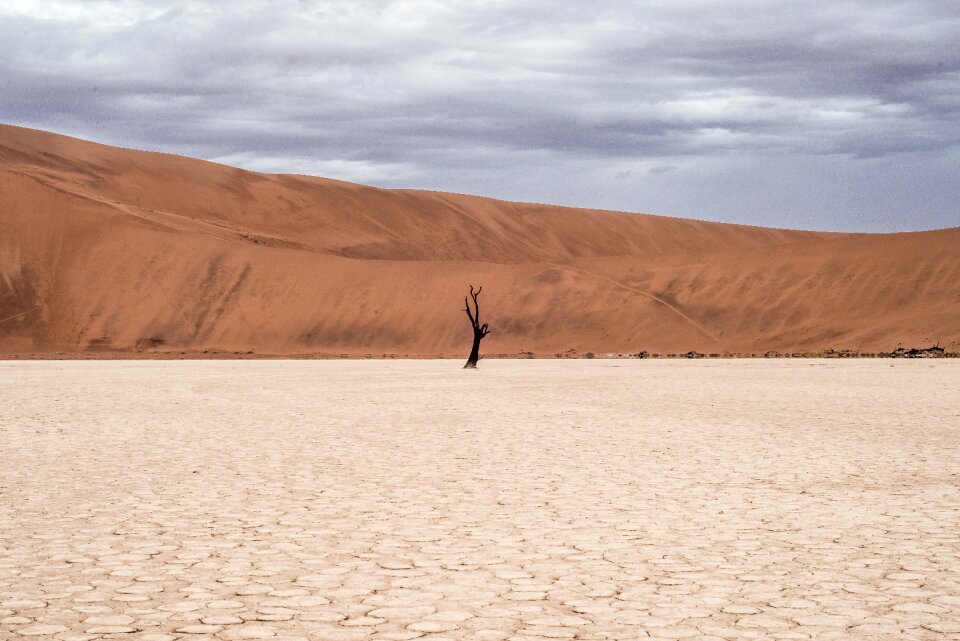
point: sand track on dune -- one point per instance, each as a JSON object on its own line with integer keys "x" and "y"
{"x": 657, "y": 299}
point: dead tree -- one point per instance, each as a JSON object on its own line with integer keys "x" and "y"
{"x": 479, "y": 331}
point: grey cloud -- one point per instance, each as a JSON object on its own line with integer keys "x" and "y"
{"x": 465, "y": 95}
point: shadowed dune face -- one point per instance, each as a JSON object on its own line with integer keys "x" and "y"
{"x": 109, "y": 250}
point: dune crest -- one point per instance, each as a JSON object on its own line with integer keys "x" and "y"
{"x": 112, "y": 251}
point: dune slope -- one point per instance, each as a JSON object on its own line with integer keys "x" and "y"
{"x": 113, "y": 251}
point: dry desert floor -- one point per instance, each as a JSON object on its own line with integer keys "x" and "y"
{"x": 342, "y": 500}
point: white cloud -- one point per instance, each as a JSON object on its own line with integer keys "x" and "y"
{"x": 106, "y": 13}
{"x": 357, "y": 171}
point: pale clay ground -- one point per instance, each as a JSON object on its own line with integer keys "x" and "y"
{"x": 526, "y": 500}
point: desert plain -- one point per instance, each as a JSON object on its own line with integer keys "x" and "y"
{"x": 526, "y": 500}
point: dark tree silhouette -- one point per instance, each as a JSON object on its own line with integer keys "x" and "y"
{"x": 479, "y": 331}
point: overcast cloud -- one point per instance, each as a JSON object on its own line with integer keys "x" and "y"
{"x": 838, "y": 116}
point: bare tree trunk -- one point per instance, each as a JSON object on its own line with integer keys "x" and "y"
{"x": 479, "y": 331}
{"x": 474, "y": 352}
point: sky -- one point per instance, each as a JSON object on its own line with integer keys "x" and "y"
{"x": 841, "y": 116}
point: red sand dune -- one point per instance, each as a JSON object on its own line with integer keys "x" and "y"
{"x": 111, "y": 251}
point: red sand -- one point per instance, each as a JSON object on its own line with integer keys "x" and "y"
{"x": 113, "y": 252}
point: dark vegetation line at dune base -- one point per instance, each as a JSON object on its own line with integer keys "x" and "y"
{"x": 572, "y": 354}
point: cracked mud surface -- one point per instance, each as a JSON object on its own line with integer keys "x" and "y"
{"x": 340, "y": 500}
